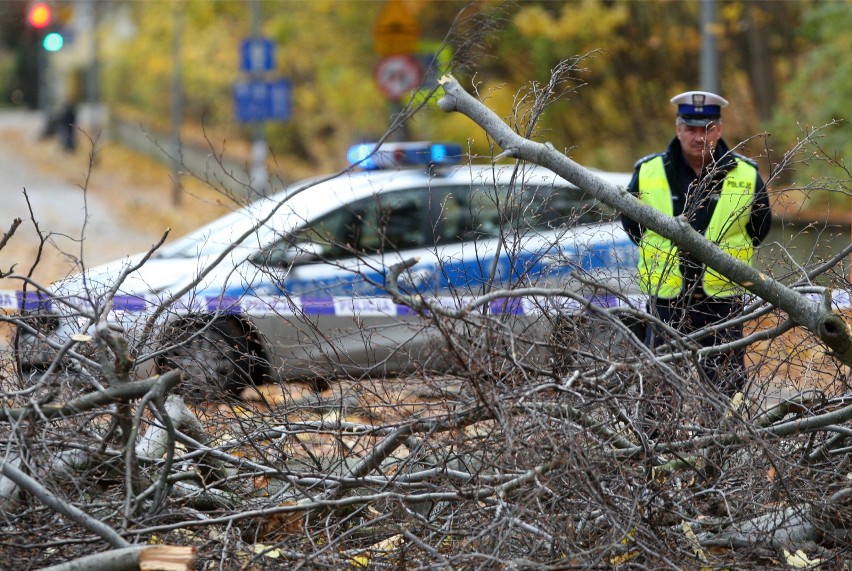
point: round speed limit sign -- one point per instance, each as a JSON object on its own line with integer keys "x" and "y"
{"x": 397, "y": 75}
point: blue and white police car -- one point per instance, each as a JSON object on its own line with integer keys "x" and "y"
{"x": 293, "y": 285}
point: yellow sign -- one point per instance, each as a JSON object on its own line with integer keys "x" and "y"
{"x": 396, "y": 31}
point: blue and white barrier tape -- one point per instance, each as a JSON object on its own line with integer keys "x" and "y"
{"x": 14, "y": 301}
{"x": 261, "y": 305}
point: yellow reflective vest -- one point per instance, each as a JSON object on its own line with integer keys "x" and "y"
{"x": 659, "y": 262}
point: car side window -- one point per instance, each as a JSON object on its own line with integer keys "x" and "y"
{"x": 369, "y": 226}
{"x": 480, "y": 211}
{"x": 396, "y": 221}
{"x": 467, "y": 213}
{"x": 312, "y": 242}
{"x": 567, "y": 206}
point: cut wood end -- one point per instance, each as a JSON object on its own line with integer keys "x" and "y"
{"x": 167, "y": 558}
{"x": 446, "y": 79}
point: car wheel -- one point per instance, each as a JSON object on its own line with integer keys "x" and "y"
{"x": 32, "y": 352}
{"x": 213, "y": 357}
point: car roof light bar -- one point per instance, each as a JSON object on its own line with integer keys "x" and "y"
{"x": 395, "y": 155}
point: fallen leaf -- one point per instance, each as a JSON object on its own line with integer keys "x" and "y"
{"x": 266, "y": 551}
{"x": 619, "y": 559}
{"x": 692, "y": 539}
{"x": 261, "y": 482}
{"x": 389, "y": 544}
{"x": 800, "y": 560}
{"x": 278, "y": 525}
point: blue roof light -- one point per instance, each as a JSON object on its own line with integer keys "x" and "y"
{"x": 395, "y": 155}
{"x": 359, "y": 153}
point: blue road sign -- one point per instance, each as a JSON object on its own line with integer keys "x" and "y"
{"x": 263, "y": 100}
{"x": 280, "y": 99}
{"x": 257, "y": 55}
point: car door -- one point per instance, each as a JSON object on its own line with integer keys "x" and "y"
{"x": 541, "y": 233}
{"x": 336, "y": 314}
{"x": 490, "y": 238}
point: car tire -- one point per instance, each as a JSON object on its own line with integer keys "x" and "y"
{"x": 32, "y": 353}
{"x": 214, "y": 358}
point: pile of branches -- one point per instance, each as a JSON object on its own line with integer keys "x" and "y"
{"x": 590, "y": 453}
{"x": 584, "y": 449}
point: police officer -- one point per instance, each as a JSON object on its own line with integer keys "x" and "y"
{"x": 723, "y": 197}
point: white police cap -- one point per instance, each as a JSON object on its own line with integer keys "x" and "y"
{"x": 699, "y": 108}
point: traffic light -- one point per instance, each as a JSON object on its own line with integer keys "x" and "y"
{"x": 39, "y": 15}
{"x": 49, "y": 24}
{"x": 53, "y": 42}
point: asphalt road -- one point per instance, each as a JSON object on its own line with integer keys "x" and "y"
{"x": 43, "y": 186}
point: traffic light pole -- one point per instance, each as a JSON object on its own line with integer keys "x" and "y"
{"x": 43, "y": 99}
{"x": 709, "y": 52}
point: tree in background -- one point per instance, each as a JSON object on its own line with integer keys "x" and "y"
{"x": 324, "y": 47}
{"x": 647, "y": 52}
{"x": 818, "y": 94}
{"x": 644, "y": 52}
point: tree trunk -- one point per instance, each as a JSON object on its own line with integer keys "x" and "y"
{"x": 762, "y": 75}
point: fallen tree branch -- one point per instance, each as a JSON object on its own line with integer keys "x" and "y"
{"x": 7, "y": 235}
{"x": 58, "y": 505}
{"x": 90, "y": 401}
{"x": 166, "y": 557}
{"x": 831, "y": 328}
{"x": 157, "y": 439}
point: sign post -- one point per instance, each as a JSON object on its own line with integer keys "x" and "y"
{"x": 258, "y": 99}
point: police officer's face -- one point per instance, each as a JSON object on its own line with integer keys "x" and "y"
{"x": 698, "y": 143}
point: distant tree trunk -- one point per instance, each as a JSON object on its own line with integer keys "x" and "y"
{"x": 760, "y": 61}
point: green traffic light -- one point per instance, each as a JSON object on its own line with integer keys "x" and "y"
{"x": 53, "y": 42}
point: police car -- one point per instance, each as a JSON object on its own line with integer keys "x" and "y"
{"x": 293, "y": 285}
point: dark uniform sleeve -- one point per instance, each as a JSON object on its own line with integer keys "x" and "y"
{"x": 761, "y": 214}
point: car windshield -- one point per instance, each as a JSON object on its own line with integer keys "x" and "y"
{"x": 216, "y": 237}
{"x": 471, "y": 210}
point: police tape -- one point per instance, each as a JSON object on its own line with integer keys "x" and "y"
{"x": 262, "y": 305}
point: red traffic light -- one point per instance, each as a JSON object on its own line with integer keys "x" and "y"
{"x": 39, "y": 15}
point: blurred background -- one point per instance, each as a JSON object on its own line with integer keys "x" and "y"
{"x": 289, "y": 85}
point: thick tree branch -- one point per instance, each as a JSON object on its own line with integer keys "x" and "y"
{"x": 59, "y": 505}
{"x": 816, "y": 317}
{"x": 172, "y": 557}
{"x": 91, "y": 401}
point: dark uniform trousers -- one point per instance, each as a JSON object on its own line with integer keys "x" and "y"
{"x": 689, "y": 313}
